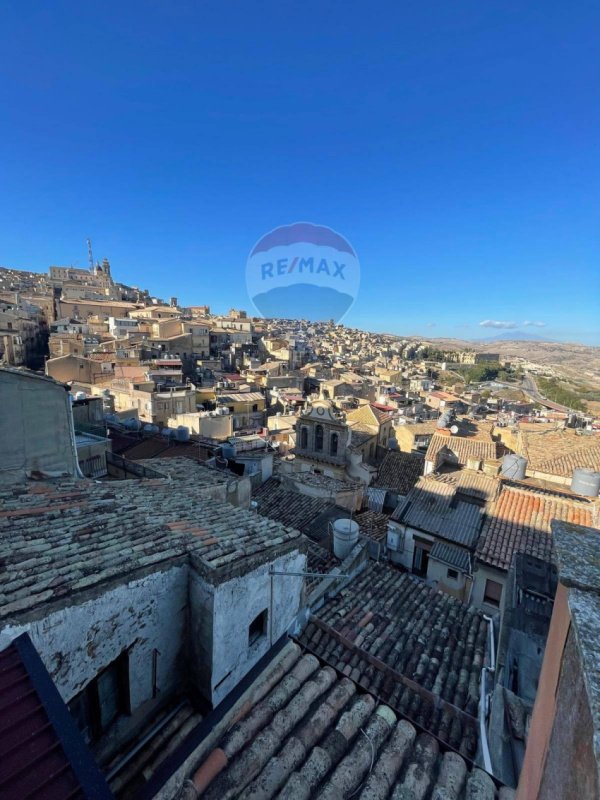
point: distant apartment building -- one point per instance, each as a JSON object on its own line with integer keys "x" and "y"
{"x": 415, "y": 437}
{"x": 248, "y": 409}
{"x": 152, "y": 406}
{"x": 122, "y": 327}
{"x": 206, "y": 424}
{"x": 468, "y": 357}
{"x": 23, "y": 334}
{"x": 78, "y": 369}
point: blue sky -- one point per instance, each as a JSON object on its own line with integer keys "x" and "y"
{"x": 456, "y": 145}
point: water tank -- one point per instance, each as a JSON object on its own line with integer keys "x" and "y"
{"x": 586, "y": 482}
{"x": 514, "y": 466}
{"x": 167, "y": 433}
{"x": 345, "y": 536}
{"x": 132, "y": 424}
{"x": 151, "y": 430}
{"x": 80, "y": 395}
{"x": 182, "y": 434}
{"x": 445, "y": 420}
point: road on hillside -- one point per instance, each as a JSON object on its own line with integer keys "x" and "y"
{"x": 529, "y": 386}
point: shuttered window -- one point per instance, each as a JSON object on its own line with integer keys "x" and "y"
{"x": 493, "y": 593}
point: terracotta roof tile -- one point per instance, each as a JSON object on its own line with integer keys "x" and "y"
{"x": 85, "y": 533}
{"x": 314, "y": 734}
{"x": 400, "y": 471}
{"x": 519, "y": 522}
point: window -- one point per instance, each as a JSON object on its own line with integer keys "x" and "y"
{"x": 255, "y": 407}
{"x": 493, "y": 593}
{"x": 452, "y": 573}
{"x": 257, "y": 628}
{"x": 304, "y": 438}
{"x": 319, "y": 437}
{"x": 105, "y": 698}
{"x": 333, "y": 444}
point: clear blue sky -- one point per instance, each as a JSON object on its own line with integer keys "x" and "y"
{"x": 455, "y": 144}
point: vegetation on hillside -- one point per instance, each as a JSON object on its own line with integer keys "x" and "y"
{"x": 476, "y": 373}
{"x": 558, "y": 393}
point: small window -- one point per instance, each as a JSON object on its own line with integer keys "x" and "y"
{"x": 493, "y": 593}
{"x": 304, "y": 438}
{"x": 105, "y": 698}
{"x": 452, "y": 573}
{"x": 319, "y": 437}
{"x": 255, "y": 407}
{"x": 333, "y": 444}
{"x": 257, "y": 628}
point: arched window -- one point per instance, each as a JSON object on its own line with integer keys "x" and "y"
{"x": 319, "y": 437}
{"x": 333, "y": 444}
{"x": 304, "y": 438}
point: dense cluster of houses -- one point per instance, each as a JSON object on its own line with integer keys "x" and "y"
{"x": 268, "y": 558}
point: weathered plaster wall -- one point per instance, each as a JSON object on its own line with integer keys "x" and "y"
{"x": 78, "y": 641}
{"x": 236, "y": 603}
{"x": 457, "y": 587}
{"x": 404, "y": 556}
{"x": 480, "y": 576}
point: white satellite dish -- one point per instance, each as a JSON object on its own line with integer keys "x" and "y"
{"x": 454, "y": 429}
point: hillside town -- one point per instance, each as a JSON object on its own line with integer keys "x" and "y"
{"x": 268, "y": 558}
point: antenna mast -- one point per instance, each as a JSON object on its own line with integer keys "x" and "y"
{"x": 90, "y": 256}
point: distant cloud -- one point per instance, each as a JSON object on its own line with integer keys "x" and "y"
{"x": 497, "y": 323}
{"x": 509, "y": 324}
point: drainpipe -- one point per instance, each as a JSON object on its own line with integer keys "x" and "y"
{"x": 492, "y": 643}
{"x": 78, "y": 471}
{"x": 487, "y": 761}
{"x": 483, "y": 699}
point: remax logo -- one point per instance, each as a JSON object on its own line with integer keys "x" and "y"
{"x": 303, "y": 271}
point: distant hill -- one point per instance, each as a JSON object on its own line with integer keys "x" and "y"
{"x": 515, "y": 336}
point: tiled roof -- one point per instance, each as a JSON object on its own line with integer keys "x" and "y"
{"x": 402, "y": 621}
{"x": 519, "y": 522}
{"x": 557, "y": 451}
{"x": 420, "y": 428}
{"x": 431, "y": 507}
{"x": 187, "y": 469}
{"x": 59, "y": 538}
{"x": 288, "y": 507}
{"x": 327, "y": 482}
{"x": 462, "y": 447}
{"x": 319, "y": 559}
{"x": 360, "y": 437}
{"x": 472, "y": 483}
{"x": 240, "y": 397}
{"x": 367, "y": 418}
{"x": 587, "y": 456}
{"x": 372, "y": 524}
{"x": 453, "y": 556}
{"x": 400, "y": 471}
{"x": 313, "y": 734}
{"x": 42, "y": 754}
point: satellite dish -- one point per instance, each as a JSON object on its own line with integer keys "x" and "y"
{"x": 454, "y": 429}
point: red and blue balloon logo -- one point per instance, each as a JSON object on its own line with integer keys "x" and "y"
{"x": 303, "y": 271}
